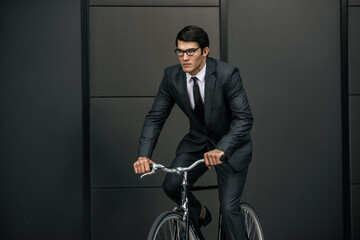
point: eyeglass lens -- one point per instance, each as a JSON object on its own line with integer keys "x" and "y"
{"x": 189, "y": 52}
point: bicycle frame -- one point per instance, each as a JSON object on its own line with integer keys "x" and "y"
{"x": 184, "y": 187}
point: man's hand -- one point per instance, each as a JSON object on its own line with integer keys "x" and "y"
{"x": 142, "y": 165}
{"x": 213, "y": 157}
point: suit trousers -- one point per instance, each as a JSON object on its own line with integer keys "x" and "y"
{"x": 230, "y": 182}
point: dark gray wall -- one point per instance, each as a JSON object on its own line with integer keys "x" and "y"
{"x": 41, "y": 157}
{"x": 289, "y": 56}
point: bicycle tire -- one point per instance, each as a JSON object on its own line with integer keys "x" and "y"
{"x": 170, "y": 226}
{"x": 253, "y": 227}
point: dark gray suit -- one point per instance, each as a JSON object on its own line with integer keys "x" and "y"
{"x": 228, "y": 121}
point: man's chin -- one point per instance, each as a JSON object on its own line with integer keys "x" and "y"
{"x": 186, "y": 69}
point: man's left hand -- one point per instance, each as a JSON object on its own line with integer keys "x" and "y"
{"x": 213, "y": 157}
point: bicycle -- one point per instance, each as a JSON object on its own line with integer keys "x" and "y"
{"x": 176, "y": 224}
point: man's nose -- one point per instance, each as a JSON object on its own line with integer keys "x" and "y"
{"x": 185, "y": 57}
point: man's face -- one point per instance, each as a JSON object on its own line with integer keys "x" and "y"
{"x": 192, "y": 64}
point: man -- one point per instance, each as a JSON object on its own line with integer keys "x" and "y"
{"x": 211, "y": 95}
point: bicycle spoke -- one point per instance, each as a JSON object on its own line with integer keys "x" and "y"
{"x": 170, "y": 226}
{"x": 252, "y": 224}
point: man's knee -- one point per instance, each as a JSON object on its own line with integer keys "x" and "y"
{"x": 172, "y": 185}
{"x": 229, "y": 207}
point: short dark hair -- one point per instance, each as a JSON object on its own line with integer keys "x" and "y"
{"x": 193, "y": 33}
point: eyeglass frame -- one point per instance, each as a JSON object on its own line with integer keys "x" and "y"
{"x": 186, "y": 51}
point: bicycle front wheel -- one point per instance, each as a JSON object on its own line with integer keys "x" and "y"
{"x": 252, "y": 223}
{"x": 170, "y": 226}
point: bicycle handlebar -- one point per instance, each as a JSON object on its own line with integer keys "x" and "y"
{"x": 177, "y": 170}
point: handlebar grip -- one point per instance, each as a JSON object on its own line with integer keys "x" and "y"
{"x": 222, "y": 158}
{"x": 151, "y": 166}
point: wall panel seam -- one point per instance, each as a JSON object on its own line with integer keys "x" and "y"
{"x": 122, "y": 97}
{"x": 149, "y": 6}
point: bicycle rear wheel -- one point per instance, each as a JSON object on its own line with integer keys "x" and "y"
{"x": 252, "y": 223}
{"x": 170, "y": 226}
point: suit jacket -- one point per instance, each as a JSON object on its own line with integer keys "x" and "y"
{"x": 228, "y": 117}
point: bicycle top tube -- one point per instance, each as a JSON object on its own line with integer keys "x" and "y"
{"x": 177, "y": 170}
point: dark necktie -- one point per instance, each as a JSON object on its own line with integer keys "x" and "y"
{"x": 199, "y": 107}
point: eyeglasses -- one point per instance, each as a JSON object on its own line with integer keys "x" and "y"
{"x": 189, "y": 52}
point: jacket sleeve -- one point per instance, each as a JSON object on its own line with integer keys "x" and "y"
{"x": 155, "y": 120}
{"x": 241, "y": 115}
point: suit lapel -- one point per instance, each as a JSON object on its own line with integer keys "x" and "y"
{"x": 185, "y": 99}
{"x": 210, "y": 81}
{"x": 185, "y": 96}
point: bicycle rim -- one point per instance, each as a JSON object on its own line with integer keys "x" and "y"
{"x": 252, "y": 223}
{"x": 170, "y": 226}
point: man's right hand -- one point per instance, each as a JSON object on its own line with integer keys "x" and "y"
{"x": 142, "y": 165}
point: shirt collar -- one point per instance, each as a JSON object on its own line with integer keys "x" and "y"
{"x": 200, "y": 76}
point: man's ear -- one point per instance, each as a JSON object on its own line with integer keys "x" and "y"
{"x": 206, "y": 51}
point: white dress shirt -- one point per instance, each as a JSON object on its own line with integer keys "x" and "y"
{"x": 201, "y": 82}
